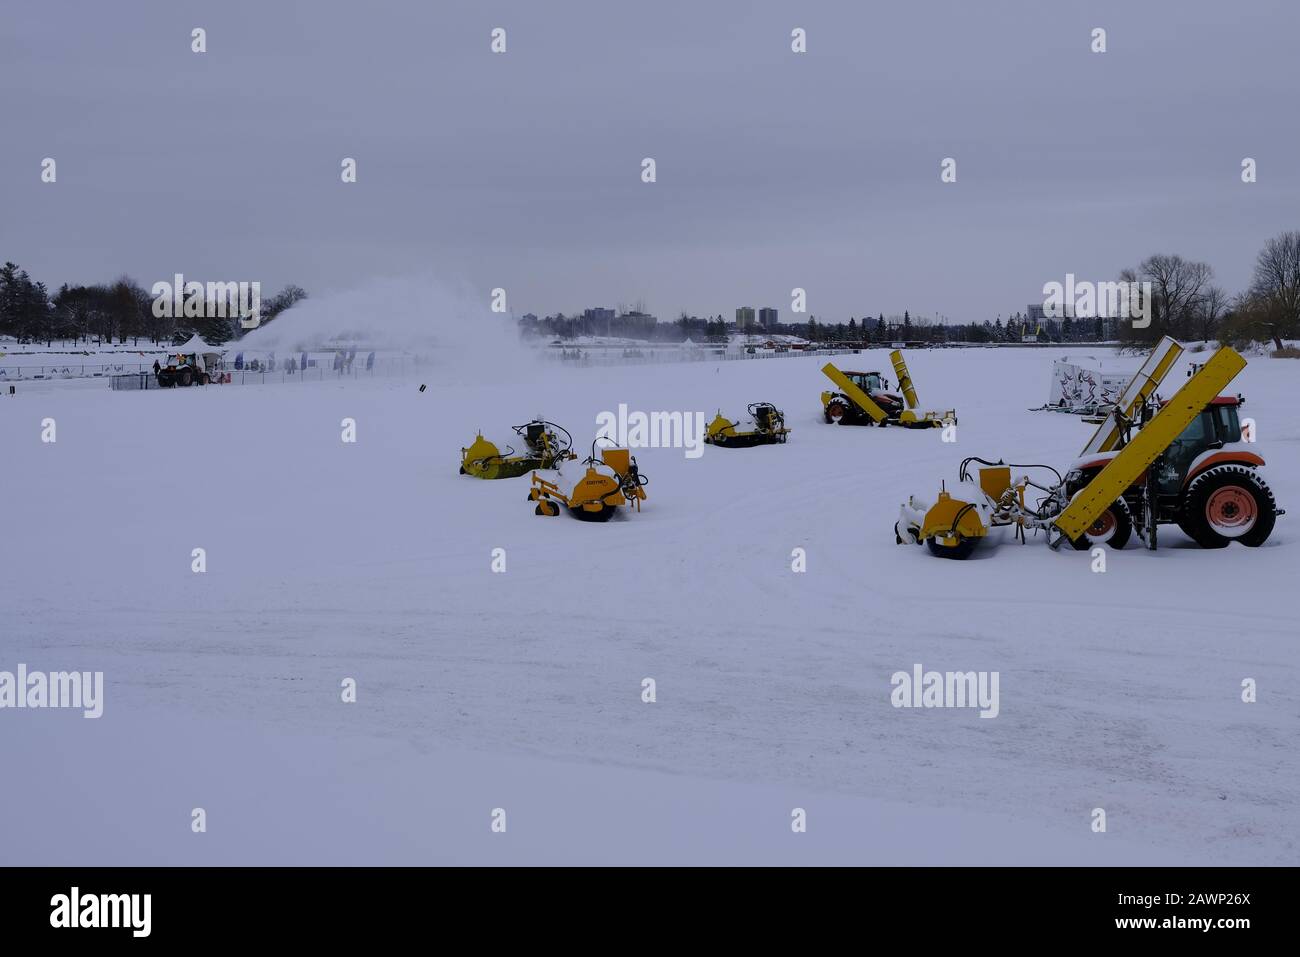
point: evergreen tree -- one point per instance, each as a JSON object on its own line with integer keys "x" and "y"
{"x": 9, "y": 299}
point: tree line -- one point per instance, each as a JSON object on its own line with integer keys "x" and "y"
{"x": 118, "y": 311}
{"x": 1184, "y": 303}
{"x": 866, "y": 330}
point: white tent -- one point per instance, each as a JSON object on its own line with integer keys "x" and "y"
{"x": 198, "y": 346}
{"x": 208, "y": 355}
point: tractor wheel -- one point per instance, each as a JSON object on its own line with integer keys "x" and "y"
{"x": 1225, "y": 504}
{"x": 835, "y": 411}
{"x": 962, "y": 549}
{"x": 545, "y": 507}
{"x": 205, "y": 379}
{"x": 186, "y": 377}
{"x": 1112, "y": 528}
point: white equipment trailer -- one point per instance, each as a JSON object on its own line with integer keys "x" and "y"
{"x": 1085, "y": 385}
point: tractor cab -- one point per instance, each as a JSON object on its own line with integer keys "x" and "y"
{"x": 1217, "y": 426}
{"x": 876, "y": 386}
{"x": 869, "y": 382}
{"x": 1210, "y": 438}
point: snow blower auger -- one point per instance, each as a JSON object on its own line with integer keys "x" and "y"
{"x": 864, "y": 399}
{"x": 611, "y": 480}
{"x": 547, "y": 445}
{"x": 769, "y": 428}
{"x": 1180, "y": 462}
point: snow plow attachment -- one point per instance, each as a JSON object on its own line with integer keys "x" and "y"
{"x": 1177, "y": 462}
{"x": 547, "y": 446}
{"x": 611, "y": 481}
{"x": 769, "y": 428}
{"x": 951, "y": 527}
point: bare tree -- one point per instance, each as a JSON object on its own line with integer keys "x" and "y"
{"x": 1211, "y": 311}
{"x": 1275, "y": 287}
{"x": 1177, "y": 287}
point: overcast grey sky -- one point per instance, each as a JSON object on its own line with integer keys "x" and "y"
{"x": 775, "y": 170}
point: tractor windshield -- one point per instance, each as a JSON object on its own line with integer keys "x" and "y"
{"x": 868, "y": 382}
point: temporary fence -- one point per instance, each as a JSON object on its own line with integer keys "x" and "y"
{"x": 70, "y": 371}
{"x": 382, "y": 366}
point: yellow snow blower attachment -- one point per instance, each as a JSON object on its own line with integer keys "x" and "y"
{"x": 864, "y": 399}
{"x": 1177, "y": 462}
{"x": 547, "y": 446}
{"x": 612, "y": 480}
{"x": 769, "y": 428}
{"x": 1140, "y": 390}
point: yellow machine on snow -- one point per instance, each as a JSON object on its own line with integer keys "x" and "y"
{"x": 547, "y": 446}
{"x": 769, "y": 428}
{"x": 611, "y": 481}
{"x": 864, "y": 399}
{"x": 1150, "y": 463}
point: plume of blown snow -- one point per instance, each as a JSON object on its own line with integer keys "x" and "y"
{"x": 415, "y": 315}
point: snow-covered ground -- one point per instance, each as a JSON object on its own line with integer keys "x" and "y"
{"x": 522, "y": 690}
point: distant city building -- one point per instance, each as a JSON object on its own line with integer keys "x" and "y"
{"x": 1037, "y": 313}
{"x": 598, "y": 314}
{"x": 745, "y": 317}
{"x": 767, "y": 318}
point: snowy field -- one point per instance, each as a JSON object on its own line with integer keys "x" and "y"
{"x": 522, "y": 690}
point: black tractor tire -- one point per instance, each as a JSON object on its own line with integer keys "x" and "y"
{"x": 186, "y": 377}
{"x": 1228, "y": 503}
{"x": 605, "y": 513}
{"x": 1113, "y": 529}
{"x": 961, "y": 550}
